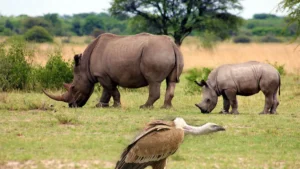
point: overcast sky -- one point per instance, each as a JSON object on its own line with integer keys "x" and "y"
{"x": 69, "y": 7}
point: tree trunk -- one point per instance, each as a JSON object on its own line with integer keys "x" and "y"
{"x": 178, "y": 41}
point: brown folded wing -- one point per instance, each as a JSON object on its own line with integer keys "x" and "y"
{"x": 159, "y": 141}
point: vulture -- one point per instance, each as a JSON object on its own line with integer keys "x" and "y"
{"x": 158, "y": 141}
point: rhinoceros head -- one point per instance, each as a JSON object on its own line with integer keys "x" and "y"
{"x": 210, "y": 98}
{"x": 80, "y": 90}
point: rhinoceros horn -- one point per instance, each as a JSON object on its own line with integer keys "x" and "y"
{"x": 57, "y": 98}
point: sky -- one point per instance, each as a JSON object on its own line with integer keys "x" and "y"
{"x": 69, "y": 7}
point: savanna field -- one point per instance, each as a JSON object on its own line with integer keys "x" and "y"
{"x": 37, "y": 132}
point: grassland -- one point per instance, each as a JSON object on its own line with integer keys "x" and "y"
{"x": 195, "y": 56}
{"x": 36, "y": 132}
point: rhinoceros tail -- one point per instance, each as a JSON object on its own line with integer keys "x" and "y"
{"x": 279, "y": 84}
{"x": 178, "y": 61}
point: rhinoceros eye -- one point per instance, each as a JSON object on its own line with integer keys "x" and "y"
{"x": 207, "y": 100}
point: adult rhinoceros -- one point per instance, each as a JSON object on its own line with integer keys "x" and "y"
{"x": 240, "y": 79}
{"x": 127, "y": 61}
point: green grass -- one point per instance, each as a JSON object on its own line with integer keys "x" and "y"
{"x": 38, "y": 132}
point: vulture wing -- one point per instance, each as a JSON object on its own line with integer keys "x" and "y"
{"x": 155, "y": 144}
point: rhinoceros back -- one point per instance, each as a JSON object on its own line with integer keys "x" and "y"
{"x": 246, "y": 77}
{"x": 134, "y": 61}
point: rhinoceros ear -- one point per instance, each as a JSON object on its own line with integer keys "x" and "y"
{"x": 202, "y": 83}
{"x": 77, "y": 58}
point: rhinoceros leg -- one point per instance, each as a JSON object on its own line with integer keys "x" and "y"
{"x": 169, "y": 94}
{"x": 231, "y": 95}
{"x": 154, "y": 94}
{"x": 117, "y": 97}
{"x": 268, "y": 103}
{"x": 275, "y": 104}
{"x": 226, "y": 105}
{"x": 105, "y": 97}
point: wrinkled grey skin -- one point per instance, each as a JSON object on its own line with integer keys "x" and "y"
{"x": 243, "y": 79}
{"x": 127, "y": 61}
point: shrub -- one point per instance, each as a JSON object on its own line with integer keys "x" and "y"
{"x": 262, "y": 31}
{"x": 96, "y": 32}
{"x": 270, "y": 39}
{"x": 195, "y": 75}
{"x": 14, "y": 68}
{"x": 264, "y": 16}
{"x": 67, "y": 118}
{"x": 280, "y": 68}
{"x": 241, "y": 39}
{"x": 55, "y": 73}
{"x": 7, "y": 32}
{"x": 38, "y": 34}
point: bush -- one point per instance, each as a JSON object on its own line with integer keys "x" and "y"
{"x": 38, "y": 34}
{"x": 14, "y": 69}
{"x": 96, "y": 32}
{"x": 263, "y": 31}
{"x": 270, "y": 39}
{"x": 67, "y": 118}
{"x": 264, "y": 16}
{"x": 196, "y": 75}
{"x": 55, "y": 73}
{"x": 241, "y": 39}
{"x": 280, "y": 68}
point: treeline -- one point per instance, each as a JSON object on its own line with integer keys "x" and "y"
{"x": 97, "y": 23}
{"x": 66, "y": 25}
{"x": 264, "y": 24}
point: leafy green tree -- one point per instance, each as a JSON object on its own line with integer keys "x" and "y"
{"x": 179, "y": 18}
{"x": 264, "y": 16}
{"x": 293, "y": 9}
{"x": 36, "y": 21}
{"x": 9, "y": 25}
{"x": 77, "y": 26}
{"x": 56, "y": 24}
{"x": 92, "y": 22}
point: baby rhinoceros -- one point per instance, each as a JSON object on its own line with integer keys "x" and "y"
{"x": 243, "y": 79}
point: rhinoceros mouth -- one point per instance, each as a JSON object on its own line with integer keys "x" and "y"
{"x": 201, "y": 109}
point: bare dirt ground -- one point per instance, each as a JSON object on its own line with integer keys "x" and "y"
{"x": 57, "y": 164}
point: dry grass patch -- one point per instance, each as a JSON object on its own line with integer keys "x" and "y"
{"x": 227, "y": 53}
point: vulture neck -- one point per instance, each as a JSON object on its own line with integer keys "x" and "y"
{"x": 201, "y": 130}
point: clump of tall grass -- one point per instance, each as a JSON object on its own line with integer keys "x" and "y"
{"x": 280, "y": 67}
{"x": 66, "y": 117}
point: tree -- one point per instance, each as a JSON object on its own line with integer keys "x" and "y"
{"x": 293, "y": 9}
{"x": 179, "y": 18}
{"x": 56, "y": 24}
{"x": 92, "y": 22}
{"x": 9, "y": 25}
{"x": 264, "y": 16}
{"x": 77, "y": 26}
{"x": 36, "y": 21}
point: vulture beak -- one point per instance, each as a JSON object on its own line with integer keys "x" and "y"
{"x": 220, "y": 128}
